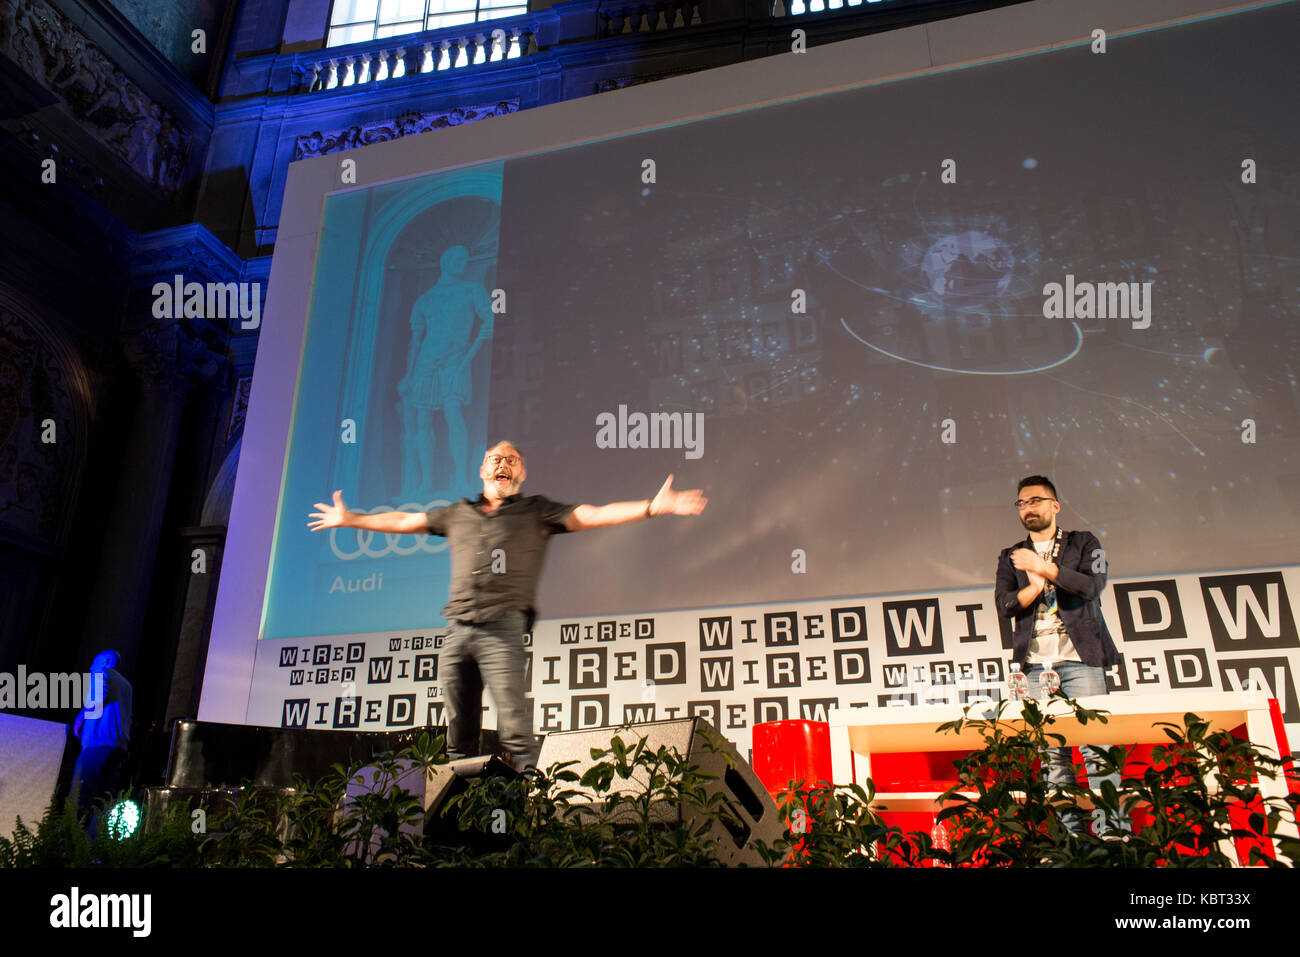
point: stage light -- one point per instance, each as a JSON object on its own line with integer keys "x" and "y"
{"x": 123, "y": 819}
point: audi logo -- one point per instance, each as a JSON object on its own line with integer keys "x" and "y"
{"x": 365, "y": 539}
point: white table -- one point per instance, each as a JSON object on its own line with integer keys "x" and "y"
{"x": 857, "y": 733}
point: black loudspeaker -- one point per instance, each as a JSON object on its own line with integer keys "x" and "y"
{"x": 434, "y": 788}
{"x": 743, "y": 795}
{"x": 450, "y": 780}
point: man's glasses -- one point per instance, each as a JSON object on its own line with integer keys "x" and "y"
{"x": 495, "y": 460}
{"x": 1034, "y": 502}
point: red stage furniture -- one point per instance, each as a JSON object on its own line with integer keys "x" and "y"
{"x": 859, "y": 733}
{"x": 1279, "y": 729}
{"x": 792, "y": 751}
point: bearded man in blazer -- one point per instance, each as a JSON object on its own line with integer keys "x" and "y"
{"x": 1050, "y": 584}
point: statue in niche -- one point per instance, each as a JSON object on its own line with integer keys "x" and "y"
{"x": 438, "y": 372}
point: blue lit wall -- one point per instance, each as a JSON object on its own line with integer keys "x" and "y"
{"x": 381, "y": 260}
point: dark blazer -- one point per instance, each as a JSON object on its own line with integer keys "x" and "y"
{"x": 1078, "y": 598}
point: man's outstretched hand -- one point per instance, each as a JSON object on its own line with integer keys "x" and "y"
{"x": 329, "y": 516}
{"x": 670, "y": 501}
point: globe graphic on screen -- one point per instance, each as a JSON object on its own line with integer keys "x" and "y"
{"x": 967, "y": 269}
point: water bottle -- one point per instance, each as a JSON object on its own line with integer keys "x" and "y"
{"x": 1017, "y": 683}
{"x": 939, "y": 841}
{"x": 1049, "y": 682}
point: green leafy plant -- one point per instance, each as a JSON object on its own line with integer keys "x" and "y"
{"x": 246, "y": 834}
{"x": 59, "y": 840}
{"x": 62, "y": 840}
{"x": 1002, "y": 812}
{"x": 835, "y": 826}
{"x": 314, "y": 838}
{"x": 634, "y": 807}
{"x": 1197, "y": 796}
{"x": 658, "y": 804}
{"x": 637, "y": 806}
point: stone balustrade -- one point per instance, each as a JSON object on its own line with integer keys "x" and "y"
{"x": 391, "y": 58}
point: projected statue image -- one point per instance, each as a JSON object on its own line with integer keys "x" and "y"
{"x": 438, "y": 371}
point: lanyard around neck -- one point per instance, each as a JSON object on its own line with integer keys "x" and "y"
{"x": 1048, "y": 596}
{"x": 1056, "y": 544}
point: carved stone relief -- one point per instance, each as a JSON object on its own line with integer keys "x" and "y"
{"x": 408, "y": 124}
{"x": 43, "y": 426}
{"x": 55, "y": 52}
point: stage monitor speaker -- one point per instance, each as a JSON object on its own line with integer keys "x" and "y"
{"x": 434, "y": 788}
{"x": 453, "y": 779}
{"x": 743, "y": 795}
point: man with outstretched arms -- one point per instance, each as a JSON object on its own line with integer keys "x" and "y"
{"x": 497, "y": 544}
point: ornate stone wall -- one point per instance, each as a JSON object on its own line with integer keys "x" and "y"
{"x": 56, "y": 53}
{"x": 408, "y": 124}
{"x": 44, "y": 414}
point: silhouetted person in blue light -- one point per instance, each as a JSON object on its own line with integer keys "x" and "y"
{"x": 104, "y": 727}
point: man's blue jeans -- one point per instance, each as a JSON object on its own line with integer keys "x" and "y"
{"x": 487, "y": 654}
{"x": 1077, "y": 681}
{"x": 98, "y": 774}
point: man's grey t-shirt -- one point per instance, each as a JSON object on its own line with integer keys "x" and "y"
{"x": 496, "y": 557}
